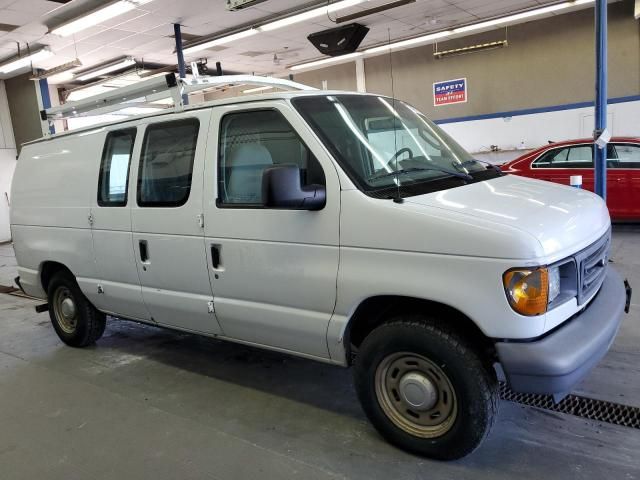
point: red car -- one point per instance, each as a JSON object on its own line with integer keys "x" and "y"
{"x": 556, "y": 162}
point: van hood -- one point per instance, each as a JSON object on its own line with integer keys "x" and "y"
{"x": 562, "y": 218}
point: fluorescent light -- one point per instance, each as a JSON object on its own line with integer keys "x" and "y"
{"x": 58, "y": 72}
{"x": 470, "y": 48}
{"x": 21, "y": 62}
{"x": 125, "y": 62}
{"x": 520, "y": 16}
{"x": 267, "y": 27}
{"x": 409, "y": 42}
{"x": 257, "y": 89}
{"x": 98, "y": 16}
{"x": 61, "y": 77}
{"x": 221, "y": 40}
{"x": 316, "y": 12}
{"x": 324, "y": 61}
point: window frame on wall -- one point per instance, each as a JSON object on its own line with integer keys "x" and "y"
{"x": 220, "y": 202}
{"x": 104, "y": 179}
{"x": 159, "y": 126}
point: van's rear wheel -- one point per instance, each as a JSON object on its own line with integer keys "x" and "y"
{"x": 74, "y": 319}
{"x": 424, "y": 389}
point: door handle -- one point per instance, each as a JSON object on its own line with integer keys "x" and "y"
{"x": 144, "y": 251}
{"x": 215, "y": 256}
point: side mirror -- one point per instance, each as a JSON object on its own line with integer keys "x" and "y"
{"x": 282, "y": 188}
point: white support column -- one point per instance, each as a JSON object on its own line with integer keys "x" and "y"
{"x": 361, "y": 81}
{"x": 6, "y": 128}
{"x": 636, "y": 11}
{"x": 7, "y": 163}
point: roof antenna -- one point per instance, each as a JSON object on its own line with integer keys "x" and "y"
{"x": 398, "y": 198}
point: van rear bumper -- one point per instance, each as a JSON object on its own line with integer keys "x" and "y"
{"x": 556, "y": 363}
{"x": 30, "y": 283}
{"x": 17, "y": 282}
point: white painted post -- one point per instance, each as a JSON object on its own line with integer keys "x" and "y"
{"x": 575, "y": 181}
{"x": 361, "y": 80}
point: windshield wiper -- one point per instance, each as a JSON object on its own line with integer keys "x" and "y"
{"x": 405, "y": 171}
{"x": 469, "y": 163}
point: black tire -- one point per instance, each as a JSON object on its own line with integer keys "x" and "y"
{"x": 86, "y": 325}
{"x": 473, "y": 382}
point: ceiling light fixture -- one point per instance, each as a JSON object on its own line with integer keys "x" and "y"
{"x": 409, "y": 42}
{"x": 20, "y": 62}
{"x": 470, "y": 49}
{"x": 98, "y": 16}
{"x": 520, "y": 16}
{"x": 325, "y": 61}
{"x": 308, "y": 15}
{"x": 374, "y": 10}
{"x": 104, "y": 69}
{"x": 220, "y": 41}
{"x": 59, "y": 71}
{"x": 60, "y": 78}
{"x": 274, "y": 25}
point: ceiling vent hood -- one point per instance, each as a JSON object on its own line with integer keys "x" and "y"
{"x": 233, "y": 5}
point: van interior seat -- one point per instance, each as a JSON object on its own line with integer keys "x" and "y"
{"x": 245, "y": 165}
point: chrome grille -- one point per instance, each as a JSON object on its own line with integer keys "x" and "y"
{"x": 592, "y": 267}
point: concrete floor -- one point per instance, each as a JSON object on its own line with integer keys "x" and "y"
{"x": 150, "y": 403}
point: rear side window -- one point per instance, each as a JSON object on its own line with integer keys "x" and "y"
{"x": 623, "y": 155}
{"x": 114, "y": 168}
{"x": 577, "y": 156}
{"x": 166, "y": 163}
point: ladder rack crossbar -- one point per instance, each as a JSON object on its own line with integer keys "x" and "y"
{"x": 158, "y": 88}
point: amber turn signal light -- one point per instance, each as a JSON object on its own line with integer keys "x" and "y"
{"x": 527, "y": 290}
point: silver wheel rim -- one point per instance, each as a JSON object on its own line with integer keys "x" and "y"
{"x": 416, "y": 395}
{"x": 65, "y": 311}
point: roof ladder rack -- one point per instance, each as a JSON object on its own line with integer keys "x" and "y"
{"x": 155, "y": 89}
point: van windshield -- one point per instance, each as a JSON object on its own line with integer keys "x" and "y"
{"x": 383, "y": 143}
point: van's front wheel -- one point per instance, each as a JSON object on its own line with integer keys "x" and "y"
{"x": 424, "y": 389}
{"x": 75, "y": 320}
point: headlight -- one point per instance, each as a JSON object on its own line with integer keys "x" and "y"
{"x": 528, "y": 290}
{"x": 554, "y": 283}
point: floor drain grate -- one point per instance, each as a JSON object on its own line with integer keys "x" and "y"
{"x": 590, "y": 408}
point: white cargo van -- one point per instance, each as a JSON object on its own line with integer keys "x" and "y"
{"x": 341, "y": 227}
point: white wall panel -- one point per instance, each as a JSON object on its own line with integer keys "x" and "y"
{"x": 7, "y": 166}
{"x": 531, "y": 131}
{"x": 6, "y": 128}
{"x": 7, "y": 163}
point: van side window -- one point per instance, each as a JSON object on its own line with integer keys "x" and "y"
{"x": 113, "y": 181}
{"x": 166, "y": 163}
{"x": 252, "y": 141}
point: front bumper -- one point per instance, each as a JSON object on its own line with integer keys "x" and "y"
{"x": 557, "y": 362}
